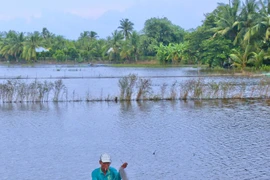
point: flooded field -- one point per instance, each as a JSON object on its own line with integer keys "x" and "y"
{"x": 193, "y": 139}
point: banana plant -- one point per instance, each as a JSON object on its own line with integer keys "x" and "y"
{"x": 240, "y": 59}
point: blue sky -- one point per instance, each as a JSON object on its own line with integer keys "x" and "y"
{"x": 71, "y": 17}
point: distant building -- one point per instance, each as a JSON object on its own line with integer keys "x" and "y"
{"x": 110, "y": 50}
{"x": 41, "y": 49}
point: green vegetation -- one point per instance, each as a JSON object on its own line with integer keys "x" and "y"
{"x": 235, "y": 35}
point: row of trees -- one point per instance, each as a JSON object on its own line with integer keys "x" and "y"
{"x": 124, "y": 44}
{"x": 236, "y": 34}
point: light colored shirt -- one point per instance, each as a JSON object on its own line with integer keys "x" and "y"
{"x": 111, "y": 174}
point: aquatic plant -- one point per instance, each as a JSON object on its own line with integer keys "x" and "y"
{"x": 58, "y": 87}
{"x": 126, "y": 85}
{"x": 17, "y": 91}
{"x": 198, "y": 88}
{"x": 133, "y": 87}
{"x": 185, "y": 89}
{"x": 163, "y": 90}
{"x": 173, "y": 92}
{"x": 144, "y": 86}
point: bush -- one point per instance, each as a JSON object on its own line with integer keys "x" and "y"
{"x": 59, "y": 55}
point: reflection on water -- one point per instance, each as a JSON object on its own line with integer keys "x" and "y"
{"x": 160, "y": 140}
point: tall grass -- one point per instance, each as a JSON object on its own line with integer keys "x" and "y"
{"x": 144, "y": 89}
{"x": 127, "y": 85}
{"x": 36, "y": 91}
{"x": 135, "y": 88}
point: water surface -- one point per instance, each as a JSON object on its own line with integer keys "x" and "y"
{"x": 209, "y": 139}
{"x": 159, "y": 140}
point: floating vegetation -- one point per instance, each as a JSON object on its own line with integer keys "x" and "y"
{"x": 135, "y": 88}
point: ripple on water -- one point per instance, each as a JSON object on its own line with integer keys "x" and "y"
{"x": 160, "y": 140}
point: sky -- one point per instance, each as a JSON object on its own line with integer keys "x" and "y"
{"x": 71, "y": 17}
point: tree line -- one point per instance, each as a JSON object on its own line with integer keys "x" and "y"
{"x": 233, "y": 35}
{"x": 124, "y": 44}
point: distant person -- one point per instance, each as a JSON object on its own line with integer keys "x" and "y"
{"x": 105, "y": 172}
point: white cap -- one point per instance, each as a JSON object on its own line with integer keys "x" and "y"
{"x": 105, "y": 158}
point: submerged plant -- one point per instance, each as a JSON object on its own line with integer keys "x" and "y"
{"x": 126, "y": 85}
{"x": 17, "y": 91}
{"x": 198, "y": 88}
{"x": 144, "y": 86}
{"x": 163, "y": 90}
{"x": 58, "y": 88}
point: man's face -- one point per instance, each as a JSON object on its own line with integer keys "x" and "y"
{"x": 104, "y": 165}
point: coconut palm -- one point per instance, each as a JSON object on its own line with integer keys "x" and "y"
{"x": 115, "y": 42}
{"x": 33, "y": 42}
{"x": 84, "y": 34}
{"x": 46, "y": 33}
{"x": 248, "y": 19}
{"x": 47, "y": 37}
{"x": 17, "y": 44}
{"x": 226, "y": 16}
{"x": 126, "y": 27}
{"x": 135, "y": 43}
{"x": 86, "y": 43}
{"x": 262, "y": 28}
{"x": 88, "y": 35}
{"x": 59, "y": 42}
{"x": 13, "y": 45}
{"x": 117, "y": 37}
{"x": 125, "y": 50}
{"x": 93, "y": 35}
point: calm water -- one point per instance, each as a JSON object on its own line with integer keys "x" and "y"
{"x": 102, "y": 82}
{"x": 160, "y": 140}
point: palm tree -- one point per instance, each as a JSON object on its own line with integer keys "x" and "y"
{"x": 88, "y": 35}
{"x": 47, "y": 37}
{"x": 248, "y": 19}
{"x": 135, "y": 43}
{"x": 226, "y": 16}
{"x": 262, "y": 28}
{"x": 34, "y": 41}
{"x": 125, "y": 50}
{"x": 86, "y": 43}
{"x": 115, "y": 43}
{"x": 17, "y": 44}
{"x": 46, "y": 33}
{"x": 84, "y": 34}
{"x": 126, "y": 27}
{"x": 59, "y": 42}
{"x": 13, "y": 45}
{"x": 93, "y": 35}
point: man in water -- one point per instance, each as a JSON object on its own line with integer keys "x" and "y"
{"x": 105, "y": 172}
